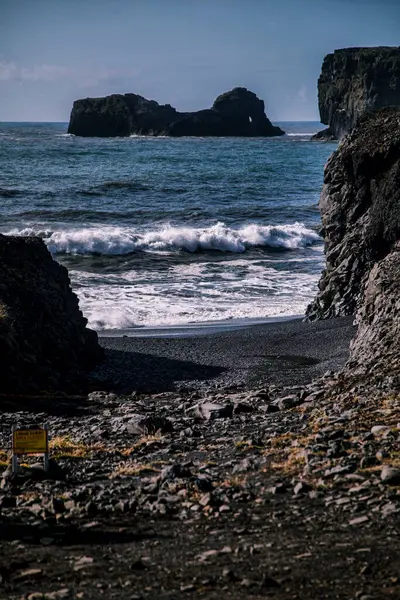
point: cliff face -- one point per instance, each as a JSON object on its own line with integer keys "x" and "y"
{"x": 360, "y": 210}
{"x": 235, "y": 113}
{"x": 44, "y": 342}
{"x": 354, "y": 81}
{"x": 376, "y": 346}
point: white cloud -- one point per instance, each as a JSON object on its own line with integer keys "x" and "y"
{"x": 10, "y": 71}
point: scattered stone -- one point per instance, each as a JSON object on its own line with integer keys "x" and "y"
{"x": 150, "y": 426}
{"x": 390, "y": 475}
{"x": 209, "y": 411}
{"x": 288, "y": 402}
{"x": 359, "y": 520}
{"x": 83, "y": 562}
{"x": 380, "y": 430}
{"x": 29, "y": 574}
{"x": 301, "y": 488}
{"x": 242, "y": 407}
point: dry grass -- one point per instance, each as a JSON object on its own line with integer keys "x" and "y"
{"x": 247, "y": 445}
{"x": 133, "y": 469}
{"x": 290, "y": 464}
{"x": 65, "y": 447}
{"x": 5, "y": 458}
{"x": 236, "y": 481}
{"x": 145, "y": 440}
{"x": 288, "y": 453}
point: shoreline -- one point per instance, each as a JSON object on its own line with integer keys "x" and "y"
{"x": 195, "y": 329}
{"x": 285, "y": 352}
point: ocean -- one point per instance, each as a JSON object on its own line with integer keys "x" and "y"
{"x": 162, "y": 232}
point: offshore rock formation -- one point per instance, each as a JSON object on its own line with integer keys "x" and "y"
{"x": 360, "y": 209}
{"x": 354, "y": 81}
{"x": 44, "y": 342}
{"x": 235, "y": 113}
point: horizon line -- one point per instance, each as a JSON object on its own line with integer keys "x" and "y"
{"x": 272, "y": 121}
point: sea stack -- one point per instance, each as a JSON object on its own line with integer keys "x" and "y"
{"x": 238, "y": 112}
{"x": 355, "y": 81}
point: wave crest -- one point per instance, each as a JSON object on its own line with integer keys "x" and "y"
{"x": 218, "y": 237}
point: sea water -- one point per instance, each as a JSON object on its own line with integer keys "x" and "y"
{"x": 171, "y": 231}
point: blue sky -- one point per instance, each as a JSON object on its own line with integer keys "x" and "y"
{"x": 182, "y": 52}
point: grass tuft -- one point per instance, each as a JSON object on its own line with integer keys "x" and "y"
{"x": 132, "y": 469}
{"x": 65, "y": 447}
{"x": 145, "y": 440}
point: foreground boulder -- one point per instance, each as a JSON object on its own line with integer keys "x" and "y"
{"x": 44, "y": 342}
{"x": 235, "y": 113}
{"x": 360, "y": 210}
{"x": 354, "y": 81}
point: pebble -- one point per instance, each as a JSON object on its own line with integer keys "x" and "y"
{"x": 359, "y": 520}
{"x": 209, "y": 410}
{"x": 29, "y": 574}
{"x": 390, "y": 475}
{"x": 380, "y": 430}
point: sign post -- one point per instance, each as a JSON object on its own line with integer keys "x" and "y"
{"x": 32, "y": 440}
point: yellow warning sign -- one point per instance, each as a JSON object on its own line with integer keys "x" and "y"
{"x": 30, "y": 441}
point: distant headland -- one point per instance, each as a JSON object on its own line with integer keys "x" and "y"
{"x": 238, "y": 112}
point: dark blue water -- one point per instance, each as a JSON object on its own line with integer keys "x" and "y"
{"x": 161, "y": 231}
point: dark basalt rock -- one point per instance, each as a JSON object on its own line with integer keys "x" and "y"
{"x": 354, "y": 81}
{"x": 325, "y": 135}
{"x": 360, "y": 209}
{"x": 235, "y": 113}
{"x": 376, "y": 346}
{"x": 44, "y": 342}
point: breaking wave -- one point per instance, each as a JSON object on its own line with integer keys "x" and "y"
{"x": 219, "y": 237}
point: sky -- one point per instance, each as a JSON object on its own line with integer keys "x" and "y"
{"x": 181, "y": 52}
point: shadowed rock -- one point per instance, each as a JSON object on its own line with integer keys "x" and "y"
{"x": 235, "y": 113}
{"x": 44, "y": 342}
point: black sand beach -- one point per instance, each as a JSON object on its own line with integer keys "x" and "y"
{"x": 278, "y": 353}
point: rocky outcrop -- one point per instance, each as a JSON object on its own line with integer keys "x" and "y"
{"x": 360, "y": 210}
{"x": 376, "y": 346}
{"x": 44, "y": 342}
{"x": 235, "y": 113}
{"x": 354, "y": 81}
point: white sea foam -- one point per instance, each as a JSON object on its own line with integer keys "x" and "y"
{"x": 305, "y": 134}
{"x": 124, "y": 240}
{"x": 192, "y": 296}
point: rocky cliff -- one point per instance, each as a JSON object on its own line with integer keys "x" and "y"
{"x": 360, "y": 210}
{"x": 375, "y": 350}
{"x": 235, "y": 113}
{"x": 44, "y": 342}
{"x": 354, "y": 81}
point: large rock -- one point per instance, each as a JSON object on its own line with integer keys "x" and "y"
{"x": 360, "y": 210}
{"x": 44, "y": 342}
{"x": 354, "y": 81}
{"x": 235, "y": 113}
{"x": 376, "y": 346}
